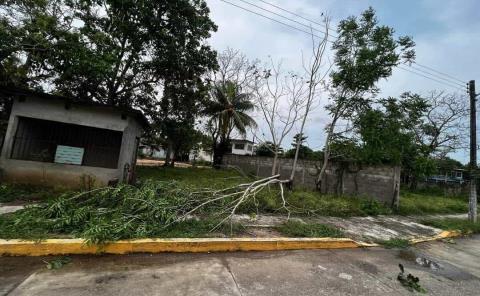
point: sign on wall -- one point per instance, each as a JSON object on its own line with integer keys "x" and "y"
{"x": 69, "y": 155}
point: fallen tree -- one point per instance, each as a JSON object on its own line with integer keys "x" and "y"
{"x": 124, "y": 212}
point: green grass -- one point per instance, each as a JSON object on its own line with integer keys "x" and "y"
{"x": 142, "y": 211}
{"x": 299, "y": 229}
{"x": 462, "y": 225}
{"x": 301, "y": 201}
{"x": 394, "y": 243}
{"x": 39, "y": 229}
{"x": 314, "y": 203}
{"x": 200, "y": 228}
{"x": 33, "y": 229}
{"x": 195, "y": 177}
{"x": 123, "y": 212}
{"x": 15, "y": 192}
{"x": 420, "y": 203}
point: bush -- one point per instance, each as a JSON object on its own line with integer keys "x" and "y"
{"x": 299, "y": 229}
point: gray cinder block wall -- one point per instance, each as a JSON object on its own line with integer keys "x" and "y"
{"x": 379, "y": 182}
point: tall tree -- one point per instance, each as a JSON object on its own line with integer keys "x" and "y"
{"x": 234, "y": 67}
{"x": 280, "y": 98}
{"x": 387, "y": 135}
{"x": 315, "y": 77}
{"x": 115, "y": 52}
{"x": 228, "y": 111}
{"x": 365, "y": 52}
{"x": 443, "y": 128}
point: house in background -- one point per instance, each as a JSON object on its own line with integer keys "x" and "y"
{"x": 199, "y": 155}
{"x": 242, "y": 147}
{"x": 448, "y": 177}
{"x": 59, "y": 141}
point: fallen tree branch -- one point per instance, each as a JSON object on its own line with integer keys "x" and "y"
{"x": 240, "y": 193}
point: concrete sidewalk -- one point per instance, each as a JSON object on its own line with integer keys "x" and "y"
{"x": 443, "y": 269}
{"x": 368, "y": 229}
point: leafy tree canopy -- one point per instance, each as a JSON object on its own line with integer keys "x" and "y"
{"x": 303, "y": 153}
{"x": 366, "y": 52}
{"x": 116, "y": 52}
{"x": 267, "y": 149}
{"x": 387, "y": 132}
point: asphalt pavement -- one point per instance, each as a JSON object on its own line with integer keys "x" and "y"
{"x": 443, "y": 268}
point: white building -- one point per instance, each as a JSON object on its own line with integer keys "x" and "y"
{"x": 199, "y": 155}
{"x": 242, "y": 147}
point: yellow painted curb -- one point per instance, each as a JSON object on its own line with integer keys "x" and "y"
{"x": 442, "y": 235}
{"x": 17, "y": 247}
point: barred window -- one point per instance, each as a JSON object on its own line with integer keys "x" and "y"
{"x": 41, "y": 140}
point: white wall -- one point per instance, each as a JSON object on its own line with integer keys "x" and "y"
{"x": 243, "y": 151}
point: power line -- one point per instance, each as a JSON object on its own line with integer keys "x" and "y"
{"x": 297, "y": 15}
{"x": 277, "y": 21}
{"x": 438, "y": 76}
{"x": 309, "y": 20}
{"x": 433, "y": 79}
{"x": 447, "y": 82}
{"x": 444, "y": 74}
{"x": 287, "y": 18}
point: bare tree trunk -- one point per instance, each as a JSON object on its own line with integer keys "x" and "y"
{"x": 326, "y": 152}
{"x": 315, "y": 77}
{"x": 274, "y": 165}
{"x": 168, "y": 153}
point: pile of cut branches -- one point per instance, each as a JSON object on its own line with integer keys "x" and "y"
{"x": 125, "y": 211}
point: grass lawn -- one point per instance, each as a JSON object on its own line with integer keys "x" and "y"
{"x": 151, "y": 209}
{"x": 307, "y": 202}
{"x": 421, "y": 203}
{"x": 299, "y": 229}
{"x": 394, "y": 243}
{"x": 302, "y": 202}
{"x": 40, "y": 229}
{"x": 462, "y": 225}
{"x": 196, "y": 177}
{"x": 9, "y": 193}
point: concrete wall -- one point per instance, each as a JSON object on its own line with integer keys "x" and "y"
{"x": 54, "y": 174}
{"x": 379, "y": 182}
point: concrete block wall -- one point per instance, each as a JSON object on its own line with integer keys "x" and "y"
{"x": 378, "y": 182}
{"x": 43, "y": 173}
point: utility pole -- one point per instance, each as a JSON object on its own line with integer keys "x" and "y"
{"x": 472, "y": 211}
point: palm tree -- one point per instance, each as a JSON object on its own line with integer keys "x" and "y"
{"x": 227, "y": 110}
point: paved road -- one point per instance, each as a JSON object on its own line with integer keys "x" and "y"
{"x": 454, "y": 269}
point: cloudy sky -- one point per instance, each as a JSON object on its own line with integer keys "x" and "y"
{"x": 446, "y": 33}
